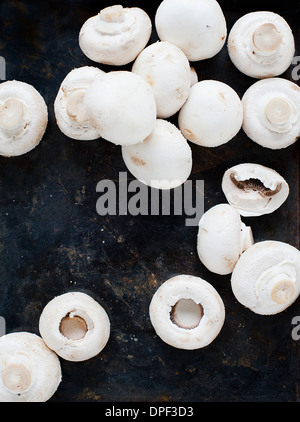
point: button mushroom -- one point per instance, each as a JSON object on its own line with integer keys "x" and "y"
{"x": 121, "y": 105}
{"x": 261, "y": 44}
{"x": 266, "y": 279}
{"x": 187, "y": 312}
{"x": 222, "y": 238}
{"x": 23, "y": 118}
{"x": 272, "y": 112}
{"x": 163, "y": 160}
{"x": 254, "y": 189}
{"x": 116, "y": 35}
{"x": 212, "y": 114}
{"x": 198, "y": 27}
{"x": 69, "y": 111}
{"x": 29, "y": 370}
{"x": 75, "y": 326}
{"x": 167, "y": 70}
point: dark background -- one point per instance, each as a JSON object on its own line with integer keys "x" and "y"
{"x": 53, "y": 241}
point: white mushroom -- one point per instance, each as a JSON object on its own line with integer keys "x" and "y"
{"x": 254, "y": 189}
{"x": 163, "y": 160}
{"x": 69, "y": 111}
{"x": 212, "y": 114}
{"x": 266, "y": 279}
{"x": 261, "y": 44}
{"x": 167, "y": 70}
{"x": 29, "y": 370}
{"x": 75, "y": 326}
{"x": 272, "y": 112}
{"x": 23, "y": 118}
{"x": 222, "y": 238}
{"x": 187, "y": 312}
{"x": 198, "y": 27}
{"x": 116, "y": 35}
{"x": 121, "y": 105}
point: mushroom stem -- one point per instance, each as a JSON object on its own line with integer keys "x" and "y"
{"x": 247, "y": 239}
{"x": 16, "y": 377}
{"x": 73, "y": 327}
{"x": 11, "y": 113}
{"x": 283, "y": 291}
{"x": 278, "y": 111}
{"x": 267, "y": 39}
{"x": 75, "y": 107}
{"x": 186, "y": 314}
{"x": 112, "y": 14}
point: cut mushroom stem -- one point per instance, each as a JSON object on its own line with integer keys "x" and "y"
{"x": 267, "y": 39}
{"x": 75, "y": 107}
{"x": 186, "y": 314}
{"x": 11, "y": 114}
{"x": 278, "y": 111}
{"x": 112, "y": 14}
{"x": 255, "y": 185}
{"x": 16, "y": 378}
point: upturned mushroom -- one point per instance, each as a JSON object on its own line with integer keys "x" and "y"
{"x": 167, "y": 70}
{"x": 29, "y": 370}
{"x": 69, "y": 110}
{"x": 266, "y": 279}
{"x": 197, "y": 27}
{"x": 272, "y": 113}
{"x": 75, "y": 326}
{"x": 116, "y": 35}
{"x": 121, "y": 105}
{"x": 23, "y": 118}
{"x": 222, "y": 238}
{"x": 254, "y": 189}
{"x": 261, "y": 44}
{"x": 163, "y": 160}
{"x": 212, "y": 114}
{"x": 187, "y": 312}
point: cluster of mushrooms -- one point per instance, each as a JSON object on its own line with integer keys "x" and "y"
{"x": 130, "y": 109}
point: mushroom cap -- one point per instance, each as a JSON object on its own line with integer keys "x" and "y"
{"x": 167, "y": 70}
{"x": 75, "y": 326}
{"x": 266, "y": 278}
{"x": 122, "y": 106}
{"x": 23, "y": 118}
{"x": 198, "y": 27}
{"x": 163, "y": 160}
{"x": 212, "y": 114}
{"x": 272, "y": 112}
{"x": 222, "y": 238}
{"x": 68, "y": 106}
{"x": 254, "y": 189}
{"x": 187, "y": 312}
{"x": 29, "y": 370}
{"x": 261, "y": 44}
{"x": 116, "y": 35}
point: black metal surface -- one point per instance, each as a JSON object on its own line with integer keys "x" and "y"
{"x": 53, "y": 241}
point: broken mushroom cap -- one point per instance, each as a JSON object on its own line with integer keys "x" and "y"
{"x": 254, "y": 189}
{"x": 167, "y": 70}
{"x": 261, "y": 44}
{"x": 163, "y": 160}
{"x": 122, "y": 106}
{"x": 272, "y": 112}
{"x": 23, "y": 118}
{"x": 222, "y": 238}
{"x": 266, "y": 279}
{"x": 187, "y": 312}
{"x": 116, "y": 35}
{"x": 29, "y": 370}
{"x": 197, "y": 27}
{"x": 74, "y": 326}
{"x": 69, "y": 111}
{"x": 212, "y": 114}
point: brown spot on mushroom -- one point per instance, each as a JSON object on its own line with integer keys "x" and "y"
{"x": 256, "y": 185}
{"x": 189, "y": 134}
{"x": 138, "y": 161}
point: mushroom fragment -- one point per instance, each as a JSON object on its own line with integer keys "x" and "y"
{"x": 116, "y": 35}
{"x": 167, "y": 70}
{"x": 121, "y": 105}
{"x": 212, "y": 114}
{"x": 69, "y": 110}
{"x": 272, "y": 113}
{"x": 187, "y": 312}
{"x": 29, "y": 370}
{"x": 222, "y": 238}
{"x": 75, "y": 326}
{"x": 266, "y": 279}
{"x": 163, "y": 160}
{"x": 254, "y": 189}
{"x": 197, "y": 27}
{"x": 23, "y": 118}
{"x": 261, "y": 44}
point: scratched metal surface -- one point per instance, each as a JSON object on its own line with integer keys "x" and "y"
{"x": 53, "y": 241}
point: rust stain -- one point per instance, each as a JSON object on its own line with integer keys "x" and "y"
{"x": 138, "y": 161}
